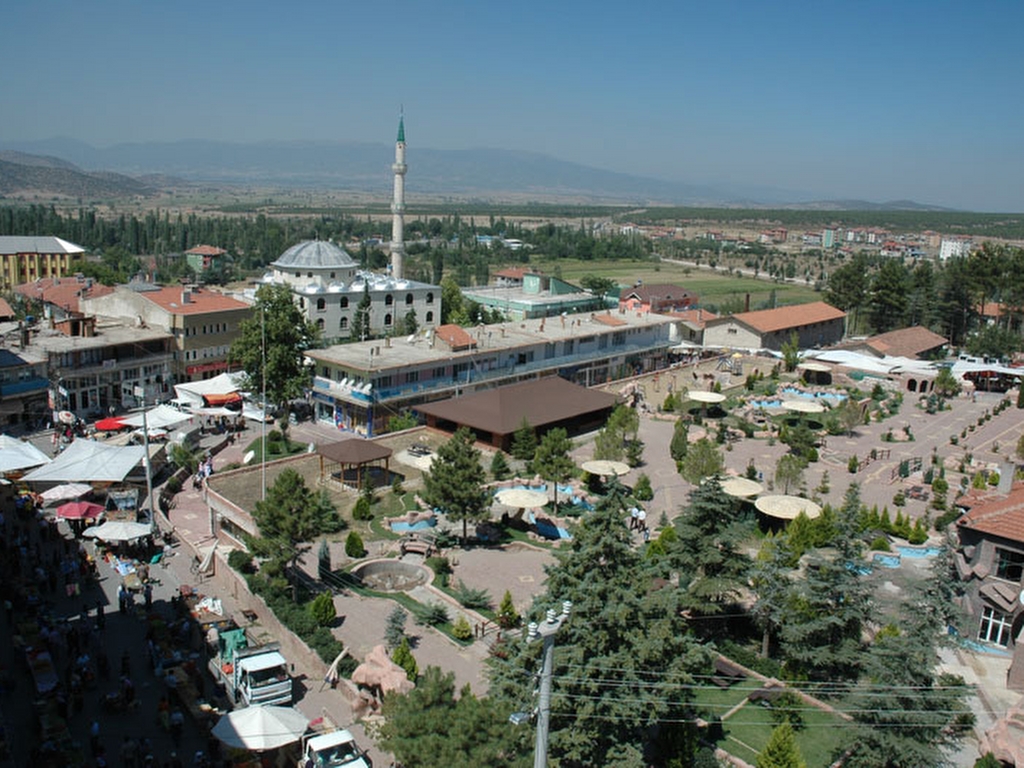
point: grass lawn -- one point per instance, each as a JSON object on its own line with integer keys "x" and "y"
{"x": 712, "y": 288}
{"x": 715, "y": 702}
{"x": 290, "y": 449}
{"x": 748, "y": 730}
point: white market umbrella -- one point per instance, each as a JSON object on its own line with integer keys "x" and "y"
{"x": 521, "y": 498}
{"x": 261, "y": 728}
{"x": 605, "y": 467}
{"x": 119, "y": 530}
{"x": 708, "y": 398}
{"x": 787, "y": 507}
{"x": 65, "y": 491}
{"x": 741, "y": 487}
{"x": 803, "y": 406}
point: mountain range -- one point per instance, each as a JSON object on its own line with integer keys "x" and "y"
{"x": 71, "y": 168}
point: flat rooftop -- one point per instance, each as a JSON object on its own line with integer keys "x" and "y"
{"x": 376, "y": 355}
{"x": 516, "y": 295}
{"x": 106, "y": 335}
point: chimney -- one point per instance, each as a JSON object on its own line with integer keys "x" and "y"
{"x": 700, "y": 315}
{"x": 186, "y": 296}
{"x": 387, "y": 342}
{"x": 1006, "y": 472}
{"x": 746, "y": 303}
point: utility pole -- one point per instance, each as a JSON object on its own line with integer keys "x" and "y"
{"x": 546, "y": 631}
{"x": 140, "y": 393}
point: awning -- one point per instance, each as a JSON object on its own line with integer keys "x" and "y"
{"x": 214, "y": 400}
{"x": 87, "y": 461}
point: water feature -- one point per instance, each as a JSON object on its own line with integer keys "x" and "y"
{"x": 765, "y": 403}
{"x": 886, "y": 560}
{"x": 917, "y": 552}
{"x": 832, "y": 397}
{"x": 422, "y": 525}
{"x": 391, "y": 575}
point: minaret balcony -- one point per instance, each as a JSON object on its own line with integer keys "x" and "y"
{"x": 399, "y": 168}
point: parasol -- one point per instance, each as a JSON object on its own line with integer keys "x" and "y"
{"x": 708, "y": 398}
{"x": 80, "y": 510}
{"x": 521, "y": 498}
{"x": 741, "y": 487}
{"x": 261, "y": 728}
{"x": 118, "y": 530}
{"x": 110, "y": 424}
{"x": 605, "y": 468}
{"x": 787, "y": 507}
{"x": 65, "y": 491}
{"x": 803, "y": 406}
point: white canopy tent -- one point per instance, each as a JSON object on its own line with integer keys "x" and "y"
{"x": 191, "y": 393}
{"x": 16, "y": 454}
{"x": 85, "y": 461}
{"x": 162, "y": 417}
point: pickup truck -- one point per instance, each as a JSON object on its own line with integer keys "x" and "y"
{"x": 333, "y": 749}
{"x": 251, "y": 675}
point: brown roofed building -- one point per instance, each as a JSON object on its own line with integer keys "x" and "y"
{"x": 203, "y": 322}
{"x": 990, "y": 559}
{"x": 495, "y": 414}
{"x": 816, "y": 324}
{"x": 692, "y": 322}
{"x": 659, "y": 298}
{"x": 60, "y": 296}
{"x": 914, "y": 342}
{"x": 455, "y": 337}
{"x": 205, "y": 257}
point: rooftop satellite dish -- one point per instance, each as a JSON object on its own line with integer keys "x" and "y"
{"x": 248, "y": 457}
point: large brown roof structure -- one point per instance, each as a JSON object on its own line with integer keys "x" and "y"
{"x": 782, "y": 318}
{"x": 543, "y": 403}
{"x": 354, "y": 451}
{"x": 907, "y": 342}
{"x": 1000, "y": 515}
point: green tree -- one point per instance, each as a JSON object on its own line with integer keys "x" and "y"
{"x": 499, "y": 466}
{"x": 849, "y": 415}
{"x": 680, "y": 440}
{"x": 621, "y": 428}
{"x": 769, "y": 577}
{"x": 599, "y": 286}
{"x": 524, "y": 442}
{"x": 403, "y": 657}
{"x": 275, "y": 339}
{"x": 642, "y": 488}
{"x": 552, "y": 460}
{"x": 432, "y": 727}
{"x": 394, "y": 630}
{"x": 323, "y": 560}
{"x": 847, "y": 288}
{"x": 789, "y": 472}
{"x": 508, "y": 617}
{"x": 706, "y": 552}
{"x": 701, "y": 461}
{"x": 800, "y": 438}
{"x": 411, "y": 324}
{"x": 993, "y": 341}
{"x": 184, "y": 457}
{"x": 618, "y": 627}
{"x": 354, "y": 545}
{"x": 781, "y": 751}
{"x": 791, "y": 352}
{"x": 322, "y": 609}
{"x": 890, "y": 289}
{"x": 454, "y": 482}
{"x": 288, "y": 519}
{"x": 362, "y": 318}
{"x": 453, "y": 305}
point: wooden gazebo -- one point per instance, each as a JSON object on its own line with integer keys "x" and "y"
{"x": 354, "y": 453}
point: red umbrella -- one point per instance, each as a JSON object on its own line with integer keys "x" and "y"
{"x": 110, "y": 424}
{"x": 78, "y": 510}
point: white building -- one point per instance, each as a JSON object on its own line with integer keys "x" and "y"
{"x": 328, "y": 286}
{"x": 954, "y": 246}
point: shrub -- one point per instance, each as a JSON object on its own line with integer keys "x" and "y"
{"x": 240, "y": 560}
{"x": 642, "y": 490}
{"x": 431, "y": 614}
{"x": 403, "y": 657}
{"x": 396, "y": 486}
{"x": 508, "y": 617}
{"x": 327, "y": 647}
{"x": 880, "y": 544}
{"x": 471, "y": 597}
{"x": 943, "y": 521}
{"x": 853, "y": 465}
{"x": 173, "y": 484}
{"x": 441, "y": 568}
{"x": 918, "y": 535}
{"x": 499, "y": 466}
{"x": 461, "y": 629}
{"x": 394, "y": 631}
{"x": 354, "y": 545}
{"x": 362, "y": 509}
{"x": 322, "y": 609}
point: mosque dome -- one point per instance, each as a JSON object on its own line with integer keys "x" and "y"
{"x": 314, "y": 254}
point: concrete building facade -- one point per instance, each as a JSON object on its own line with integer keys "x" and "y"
{"x": 816, "y": 325}
{"x": 25, "y": 259}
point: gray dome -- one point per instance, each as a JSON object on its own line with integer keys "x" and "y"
{"x": 314, "y": 254}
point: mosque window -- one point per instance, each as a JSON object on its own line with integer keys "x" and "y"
{"x": 344, "y": 324}
{"x": 387, "y": 319}
{"x": 389, "y": 300}
{"x": 430, "y": 297}
{"x": 430, "y": 317}
{"x": 344, "y": 302}
{"x": 408, "y": 299}
{"x": 320, "y": 323}
{"x": 321, "y": 305}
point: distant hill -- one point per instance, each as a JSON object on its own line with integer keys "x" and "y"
{"x": 482, "y": 174}
{"x": 23, "y": 175}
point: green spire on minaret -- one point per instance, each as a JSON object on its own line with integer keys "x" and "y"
{"x": 401, "y": 128}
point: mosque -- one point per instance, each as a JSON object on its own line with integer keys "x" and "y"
{"x": 328, "y": 284}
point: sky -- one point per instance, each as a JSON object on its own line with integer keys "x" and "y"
{"x": 840, "y": 100}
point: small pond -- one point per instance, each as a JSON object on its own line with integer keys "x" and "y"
{"x": 391, "y": 575}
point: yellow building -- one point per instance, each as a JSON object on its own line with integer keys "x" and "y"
{"x": 27, "y": 259}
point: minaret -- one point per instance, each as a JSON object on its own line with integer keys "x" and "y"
{"x": 398, "y": 204}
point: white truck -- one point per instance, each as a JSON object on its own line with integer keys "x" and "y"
{"x": 333, "y": 749}
{"x": 251, "y": 675}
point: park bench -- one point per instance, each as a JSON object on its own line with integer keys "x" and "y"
{"x": 417, "y": 547}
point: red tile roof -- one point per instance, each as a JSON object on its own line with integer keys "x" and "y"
{"x": 664, "y": 293}
{"x": 610, "y": 320}
{"x": 200, "y": 301}
{"x": 1001, "y": 516}
{"x": 695, "y": 317}
{"x": 906, "y": 342}
{"x": 6, "y": 311}
{"x": 63, "y": 292}
{"x": 770, "y": 320}
{"x": 206, "y": 250}
{"x": 455, "y": 337}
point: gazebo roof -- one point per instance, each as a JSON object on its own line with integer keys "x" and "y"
{"x": 354, "y": 451}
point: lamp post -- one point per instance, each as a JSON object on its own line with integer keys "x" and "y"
{"x": 140, "y": 394}
{"x": 546, "y": 632}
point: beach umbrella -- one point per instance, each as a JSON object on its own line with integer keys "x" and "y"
{"x": 110, "y": 424}
{"x": 79, "y": 510}
{"x": 65, "y": 491}
{"x": 258, "y": 729}
{"x": 119, "y": 530}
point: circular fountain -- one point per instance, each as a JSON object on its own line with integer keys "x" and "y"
{"x": 387, "y": 575}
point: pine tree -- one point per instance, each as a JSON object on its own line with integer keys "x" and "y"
{"x": 508, "y": 617}
{"x": 781, "y": 751}
{"x": 499, "y": 466}
{"x": 524, "y": 442}
{"x": 551, "y": 459}
{"x": 394, "y": 630}
{"x": 403, "y": 657}
{"x": 702, "y": 460}
{"x": 680, "y": 442}
{"x": 454, "y": 482}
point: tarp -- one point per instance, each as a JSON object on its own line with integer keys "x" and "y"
{"x": 194, "y": 391}
{"x": 215, "y": 400}
{"x": 161, "y": 417}
{"x": 16, "y": 454}
{"x": 87, "y": 461}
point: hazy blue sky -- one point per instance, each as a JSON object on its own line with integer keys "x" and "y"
{"x": 877, "y": 100}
